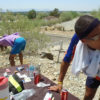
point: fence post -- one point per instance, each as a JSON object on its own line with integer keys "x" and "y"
{"x": 61, "y": 44}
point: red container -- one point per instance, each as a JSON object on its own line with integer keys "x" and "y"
{"x": 36, "y": 78}
{"x": 64, "y": 94}
{"x": 4, "y": 89}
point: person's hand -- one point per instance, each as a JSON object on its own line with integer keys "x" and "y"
{"x": 56, "y": 88}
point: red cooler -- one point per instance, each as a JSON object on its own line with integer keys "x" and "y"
{"x": 4, "y": 89}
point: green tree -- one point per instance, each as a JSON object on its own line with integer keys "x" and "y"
{"x": 55, "y": 13}
{"x": 31, "y": 14}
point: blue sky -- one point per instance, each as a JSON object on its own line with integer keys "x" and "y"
{"x": 75, "y": 5}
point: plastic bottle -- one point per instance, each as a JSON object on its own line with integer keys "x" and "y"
{"x": 31, "y": 70}
{"x": 24, "y": 95}
{"x": 37, "y": 68}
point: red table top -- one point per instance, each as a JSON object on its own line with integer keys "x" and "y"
{"x": 40, "y": 92}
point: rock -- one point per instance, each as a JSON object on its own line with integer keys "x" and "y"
{"x": 51, "y": 62}
{"x": 54, "y": 79}
{"x": 47, "y": 55}
{"x": 56, "y": 73}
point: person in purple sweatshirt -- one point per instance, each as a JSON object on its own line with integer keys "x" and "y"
{"x": 2, "y": 47}
{"x": 17, "y": 44}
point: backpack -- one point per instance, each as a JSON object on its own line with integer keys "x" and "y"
{"x": 15, "y": 84}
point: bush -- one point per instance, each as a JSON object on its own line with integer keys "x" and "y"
{"x": 31, "y": 14}
{"x": 55, "y": 13}
{"x": 65, "y": 16}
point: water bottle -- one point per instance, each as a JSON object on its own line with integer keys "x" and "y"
{"x": 31, "y": 70}
{"x": 37, "y": 68}
{"x": 19, "y": 96}
{"x": 24, "y": 95}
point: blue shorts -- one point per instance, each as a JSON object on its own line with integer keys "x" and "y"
{"x": 92, "y": 82}
{"x": 19, "y": 45}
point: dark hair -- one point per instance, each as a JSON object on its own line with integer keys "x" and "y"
{"x": 82, "y": 24}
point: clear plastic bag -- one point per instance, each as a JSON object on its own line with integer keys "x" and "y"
{"x": 24, "y": 94}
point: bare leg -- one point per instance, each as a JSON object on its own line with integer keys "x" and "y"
{"x": 21, "y": 58}
{"x": 5, "y": 47}
{"x": 11, "y": 59}
{"x": 1, "y": 47}
{"x": 89, "y": 93}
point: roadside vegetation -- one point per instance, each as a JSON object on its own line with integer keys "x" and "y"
{"x": 96, "y": 13}
{"x": 28, "y": 24}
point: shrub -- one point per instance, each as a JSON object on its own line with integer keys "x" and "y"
{"x": 55, "y": 13}
{"x": 31, "y": 14}
{"x": 65, "y": 16}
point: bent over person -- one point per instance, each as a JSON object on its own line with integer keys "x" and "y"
{"x": 17, "y": 44}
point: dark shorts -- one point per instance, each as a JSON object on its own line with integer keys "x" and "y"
{"x": 92, "y": 82}
{"x": 19, "y": 45}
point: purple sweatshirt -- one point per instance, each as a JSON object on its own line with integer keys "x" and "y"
{"x": 8, "y": 40}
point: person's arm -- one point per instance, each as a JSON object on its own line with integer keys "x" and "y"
{"x": 63, "y": 70}
{"x": 2, "y": 41}
{"x": 15, "y": 33}
{"x": 68, "y": 57}
{"x": 65, "y": 64}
